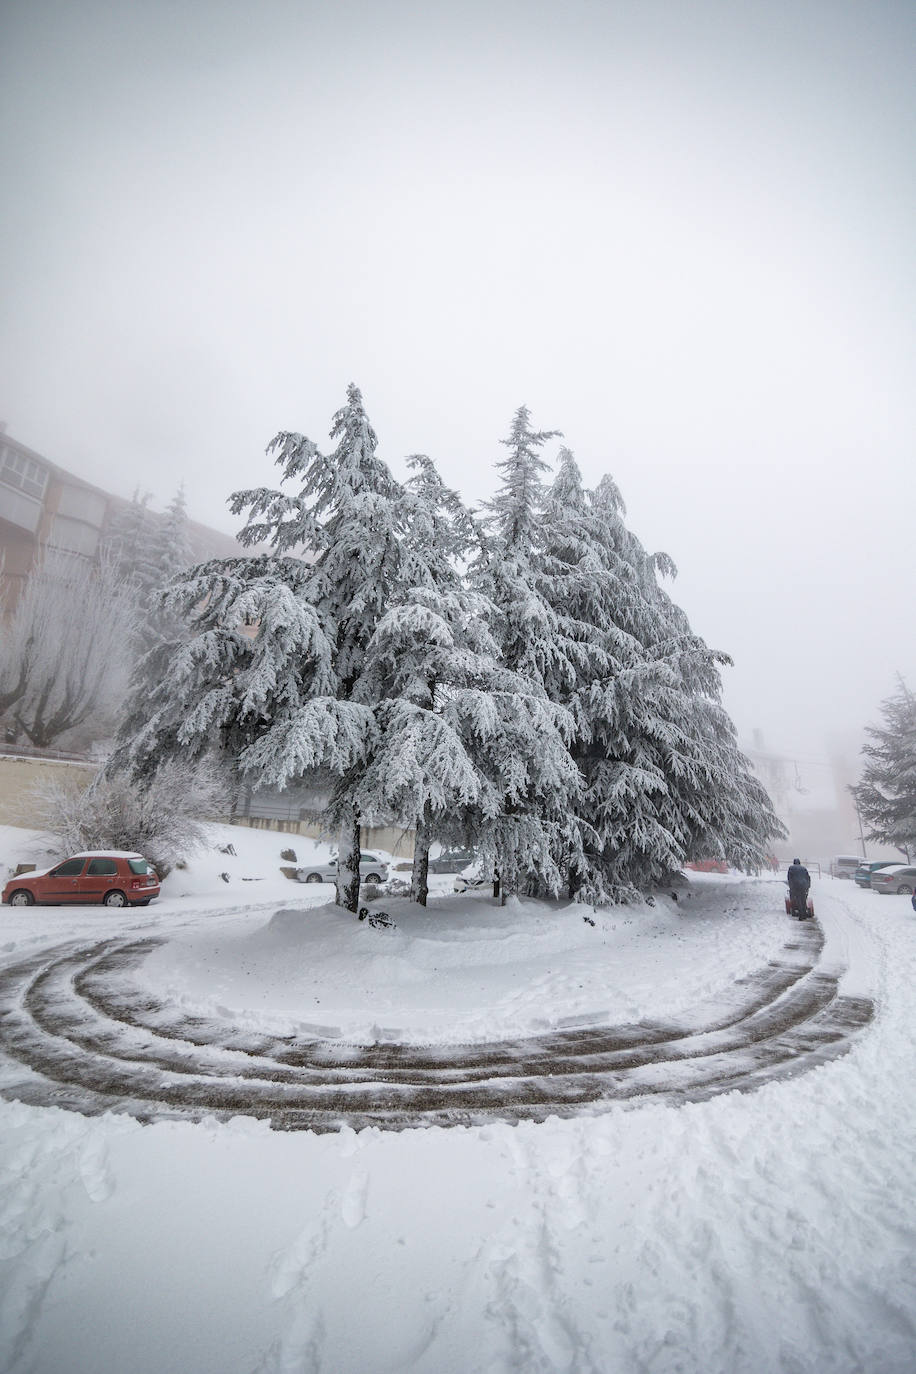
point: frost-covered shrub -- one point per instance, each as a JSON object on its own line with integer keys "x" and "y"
{"x": 397, "y": 887}
{"x": 161, "y": 819}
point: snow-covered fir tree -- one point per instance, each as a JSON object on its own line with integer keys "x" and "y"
{"x": 461, "y": 740}
{"x": 663, "y": 778}
{"x": 552, "y": 705}
{"x": 535, "y": 836}
{"x": 170, "y": 545}
{"x": 130, "y": 542}
{"x": 886, "y": 793}
{"x": 169, "y": 554}
{"x": 275, "y": 660}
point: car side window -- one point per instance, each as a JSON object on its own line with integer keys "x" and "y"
{"x": 102, "y": 866}
{"x": 68, "y": 869}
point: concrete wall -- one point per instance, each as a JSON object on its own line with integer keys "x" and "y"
{"x": 19, "y": 777}
{"x": 393, "y": 839}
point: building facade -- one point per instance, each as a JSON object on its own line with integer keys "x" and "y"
{"x": 45, "y": 507}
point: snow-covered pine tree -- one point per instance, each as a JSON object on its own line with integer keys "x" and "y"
{"x": 432, "y": 639}
{"x": 171, "y": 541}
{"x": 257, "y": 663}
{"x": 274, "y": 660}
{"x": 170, "y": 553}
{"x": 459, "y": 737}
{"x": 886, "y": 793}
{"x": 662, "y": 772}
{"x": 130, "y": 544}
{"x": 716, "y": 806}
{"x": 536, "y": 830}
{"x": 598, "y": 587}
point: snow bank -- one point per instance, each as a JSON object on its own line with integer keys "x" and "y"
{"x": 466, "y": 969}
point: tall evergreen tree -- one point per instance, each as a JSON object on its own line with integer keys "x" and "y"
{"x": 460, "y": 738}
{"x": 886, "y": 793}
{"x": 555, "y": 705}
{"x": 171, "y": 540}
{"x": 653, "y": 746}
{"x": 169, "y": 554}
{"x": 276, "y": 658}
{"x": 129, "y": 544}
{"x": 536, "y": 831}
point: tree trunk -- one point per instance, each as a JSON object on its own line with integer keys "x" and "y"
{"x": 574, "y": 880}
{"x": 348, "y": 864}
{"x": 419, "y": 880}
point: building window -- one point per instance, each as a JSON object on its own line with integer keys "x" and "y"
{"x": 73, "y": 536}
{"x": 20, "y": 471}
{"x": 81, "y": 504}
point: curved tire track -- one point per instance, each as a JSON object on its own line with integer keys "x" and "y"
{"x": 77, "y": 1032}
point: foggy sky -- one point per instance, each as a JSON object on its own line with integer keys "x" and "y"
{"x": 681, "y": 233}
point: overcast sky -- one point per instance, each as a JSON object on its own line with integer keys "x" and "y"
{"x": 681, "y": 231}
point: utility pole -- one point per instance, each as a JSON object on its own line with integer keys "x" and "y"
{"x": 855, "y": 803}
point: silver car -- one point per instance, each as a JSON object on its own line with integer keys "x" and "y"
{"x": 372, "y": 869}
{"x": 899, "y": 878}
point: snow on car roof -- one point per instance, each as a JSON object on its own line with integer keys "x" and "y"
{"x": 107, "y": 854}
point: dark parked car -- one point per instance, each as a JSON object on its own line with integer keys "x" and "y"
{"x": 452, "y": 861}
{"x": 864, "y": 871}
{"x": 115, "y": 878}
{"x": 898, "y": 878}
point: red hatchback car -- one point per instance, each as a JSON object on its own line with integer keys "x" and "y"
{"x": 115, "y": 878}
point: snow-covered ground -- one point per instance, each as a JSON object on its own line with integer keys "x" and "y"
{"x": 767, "y": 1231}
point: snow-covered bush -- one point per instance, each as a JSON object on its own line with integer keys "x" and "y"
{"x": 162, "y": 818}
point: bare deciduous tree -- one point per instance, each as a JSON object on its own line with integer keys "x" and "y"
{"x": 66, "y": 653}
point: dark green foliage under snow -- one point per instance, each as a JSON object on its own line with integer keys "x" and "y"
{"x": 517, "y": 679}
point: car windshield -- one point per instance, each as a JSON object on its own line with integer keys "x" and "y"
{"x": 139, "y": 866}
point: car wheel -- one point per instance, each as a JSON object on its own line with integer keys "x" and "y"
{"x": 905, "y": 890}
{"x": 22, "y": 897}
{"x": 114, "y": 898}
{"x": 313, "y": 878}
{"x": 372, "y": 878}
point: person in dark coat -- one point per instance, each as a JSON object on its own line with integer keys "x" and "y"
{"x": 799, "y": 880}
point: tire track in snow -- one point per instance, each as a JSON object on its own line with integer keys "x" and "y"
{"x": 77, "y": 1032}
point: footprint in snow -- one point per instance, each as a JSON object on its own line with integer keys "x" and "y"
{"x": 353, "y": 1203}
{"x": 95, "y": 1170}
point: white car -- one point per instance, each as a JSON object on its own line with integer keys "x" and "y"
{"x": 372, "y": 869}
{"x": 472, "y": 880}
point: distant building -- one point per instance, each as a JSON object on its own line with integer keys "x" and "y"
{"x": 43, "y": 506}
{"x": 812, "y": 798}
